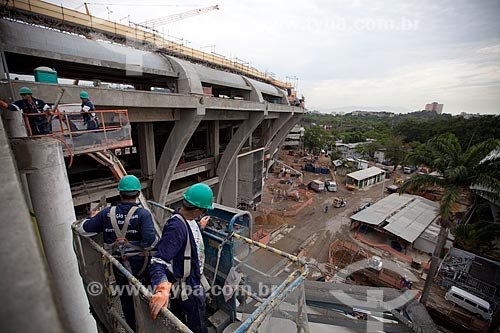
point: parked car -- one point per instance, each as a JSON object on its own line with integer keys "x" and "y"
{"x": 331, "y": 186}
{"x": 409, "y": 169}
{"x": 388, "y": 163}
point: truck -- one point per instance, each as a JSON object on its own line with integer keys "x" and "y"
{"x": 317, "y": 185}
{"x": 331, "y": 186}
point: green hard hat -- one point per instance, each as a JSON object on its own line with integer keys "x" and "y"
{"x": 84, "y": 94}
{"x": 200, "y": 195}
{"x": 129, "y": 183}
{"x": 25, "y": 90}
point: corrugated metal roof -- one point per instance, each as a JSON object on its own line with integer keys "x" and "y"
{"x": 366, "y": 173}
{"x": 381, "y": 210}
{"x": 413, "y": 219}
{"x": 407, "y": 216}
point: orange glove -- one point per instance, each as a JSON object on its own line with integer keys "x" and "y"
{"x": 159, "y": 299}
{"x": 3, "y": 104}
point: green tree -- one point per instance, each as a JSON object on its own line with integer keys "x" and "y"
{"x": 460, "y": 171}
{"x": 316, "y": 138}
{"x": 477, "y": 237}
{"x": 395, "y": 150}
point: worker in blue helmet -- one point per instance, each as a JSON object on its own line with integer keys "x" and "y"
{"x": 179, "y": 261}
{"x": 39, "y": 124}
{"x": 89, "y": 117}
{"x": 129, "y": 235}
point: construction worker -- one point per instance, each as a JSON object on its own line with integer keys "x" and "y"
{"x": 89, "y": 117}
{"x": 173, "y": 264}
{"x": 39, "y": 125}
{"x": 128, "y": 233}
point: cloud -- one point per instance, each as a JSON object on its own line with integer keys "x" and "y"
{"x": 361, "y": 52}
{"x": 462, "y": 84}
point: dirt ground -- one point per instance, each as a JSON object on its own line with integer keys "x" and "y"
{"x": 320, "y": 227}
{"x": 314, "y": 228}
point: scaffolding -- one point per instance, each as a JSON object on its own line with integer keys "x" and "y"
{"x": 68, "y": 20}
{"x": 455, "y": 271}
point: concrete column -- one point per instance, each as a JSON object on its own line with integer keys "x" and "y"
{"x": 229, "y": 197}
{"x": 176, "y": 143}
{"x": 233, "y": 148}
{"x": 147, "y": 149}
{"x": 282, "y": 133}
{"x": 42, "y": 160}
{"x": 27, "y": 295}
{"x": 216, "y": 139}
{"x": 213, "y": 139}
{"x": 277, "y": 125}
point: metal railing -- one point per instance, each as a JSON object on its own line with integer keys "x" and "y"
{"x": 113, "y": 130}
{"x": 269, "y": 306}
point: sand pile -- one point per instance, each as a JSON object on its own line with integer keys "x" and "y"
{"x": 269, "y": 219}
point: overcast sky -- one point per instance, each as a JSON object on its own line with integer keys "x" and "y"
{"x": 372, "y": 54}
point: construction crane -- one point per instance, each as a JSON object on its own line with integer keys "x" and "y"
{"x": 176, "y": 17}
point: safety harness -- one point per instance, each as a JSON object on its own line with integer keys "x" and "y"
{"x": 187, "y": 266}
{"x": 122, "y": 243}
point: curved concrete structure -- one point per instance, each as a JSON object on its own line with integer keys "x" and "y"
{"x": 215, "y": 111}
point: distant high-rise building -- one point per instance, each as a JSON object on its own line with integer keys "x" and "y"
{"x": 434, "y": 107}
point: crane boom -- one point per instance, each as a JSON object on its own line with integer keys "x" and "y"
{"x": 176, "y": 17}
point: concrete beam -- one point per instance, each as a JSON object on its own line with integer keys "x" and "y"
{"x": 29, "y": 301}
{"x": 144, "y": 102}
{"x": 235, "y": 114}
{"x": 177, "y": 196}
{"x": 233, "y": 104}
{"x": 193, "y": 171}
{"x": 104, "y": 97}
{"x": 176, "y": 143}
{"x": 233, "y": 148}
{"x": 145, "y": 115}
{"x": 284, "y": 108}
{"x": 92, "y": 195}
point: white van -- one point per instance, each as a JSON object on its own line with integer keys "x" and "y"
{"x": 469, "y": 302}
{"x": 317, "y": 185}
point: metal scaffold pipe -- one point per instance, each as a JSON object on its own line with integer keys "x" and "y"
{"x": 43, "y": 162}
